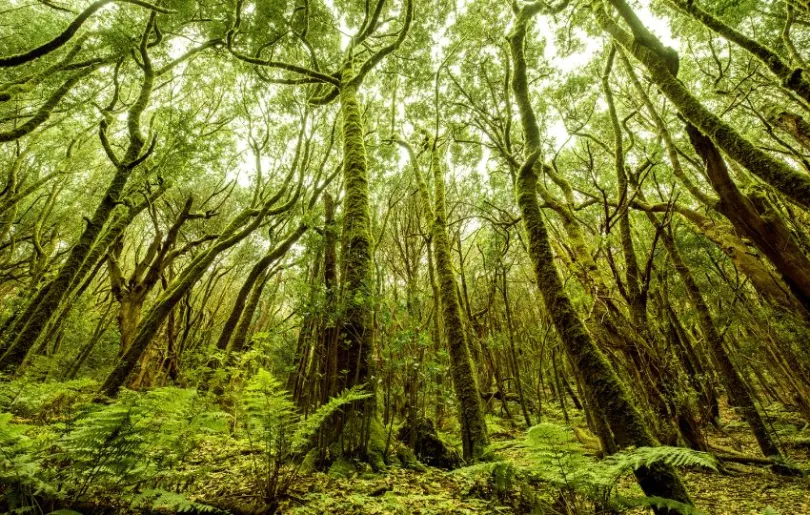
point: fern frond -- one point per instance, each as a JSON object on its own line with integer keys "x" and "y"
{"x": 480, "y": 468}
{"x": 161, "y": 500}
{"x": 307, "y": 428}
{"x": 646, "y": 456}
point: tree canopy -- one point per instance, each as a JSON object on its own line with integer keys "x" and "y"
{"x": 555, "y": 244}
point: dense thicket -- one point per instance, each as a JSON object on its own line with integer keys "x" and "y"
{"x": 411, "y": 216}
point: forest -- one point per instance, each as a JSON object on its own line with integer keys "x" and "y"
{"x": 405, "y": 256}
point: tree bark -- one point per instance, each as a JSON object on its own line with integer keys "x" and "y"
{"x": 601, "y": 381}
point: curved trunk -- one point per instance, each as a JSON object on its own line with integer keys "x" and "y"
{"x": 737, "y": 389}
{"x": 255, "y": 273}
{"x": 753, "y": 216}
{"x": 794, "y": 185}
{"x": 239, "y": 228}
{"x": 240, "y": 337}
{"x": 602, "y": 384}
{"x": 791, "y": 78}
{"x": 27, "y": 329}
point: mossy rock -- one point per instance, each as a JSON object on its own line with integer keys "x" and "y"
{"x": 408, "y": 459}
{"x": 310, "y": 463}
{"x": 428, "y": 447}
{"x": 342, "y": 467}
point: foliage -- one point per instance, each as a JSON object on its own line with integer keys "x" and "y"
{"x": 280, "y": 435}
{"x": 154, "y": 153}
{"x": 157, "y": 499}
{"x": 551, "y": 455}
{"x": 104, "y": 450}
{"x": 43, "y": 400}
{"x": 21, "y": 471}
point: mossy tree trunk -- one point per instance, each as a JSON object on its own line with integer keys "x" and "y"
{"x": 328, "y": 332}
{"x": 254, "y": 277}
{"x": 240, "y": 227}
{"x": 794, "y": 79}
{"x": 761, "y": 277}
{"x": 465, "y": 381}
{"x": 636, "y": 285}
{"x": 240, "y": 336}
{"x": 661, "y": 64}
{"x": 605, "y": 389}
{"x": 737, "y": 389}
{"x": 355, "y": 340}
{"x": 754, "y": 216}
{"x": 28, "y": 328}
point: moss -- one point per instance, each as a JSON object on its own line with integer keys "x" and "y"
{"x": 465, "y": 381}
{"x": 356, "y": 242}
{"x": 377, "y": 446}
{"x": 24, "y": 335}
{"x": 40, "y": 312}
{"x": 310, "y": 462}
{"x": 44, "y": 112}
{"x": 603, "y": 387}
{"x": 249, "y": 285}
{"x": 342, "y": 467}
{"x": 793, "y": 79}
{"x": 240, "y": 227}
{"x": 445, "y": 288}
{"x": 355, "y": 340}
{"x": 429, "y": 446}
{"x": 792, "y": 184}
{"x": 408, "y": 459}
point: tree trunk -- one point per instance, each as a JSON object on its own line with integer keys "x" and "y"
{"x": 601, "y": 381}
{"x": 793, "y": 184}
{"x": 354, "y": 352}
{"x": 737, "y": 389}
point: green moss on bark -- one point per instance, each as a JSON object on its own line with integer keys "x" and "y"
{"x": 789, "y": 182}
{"x": 465, "y": 383}
{"x": 602, "y": 384}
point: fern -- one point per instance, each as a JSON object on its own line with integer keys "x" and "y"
{"x": 622, "y": 462}
{"x": 552, "y": 455}
{"x": 161, "y": 500}
{"x": 20, "y": 467}
{"x": 274, "y": 428}
{"x": 129, "y": 441}
{"x": 309, "y": 427}
{"x": 114, "y": 449}
{"x": 656, "y": 502}
{"x": 273, "y": 415}
{"x": 44, "y": 400}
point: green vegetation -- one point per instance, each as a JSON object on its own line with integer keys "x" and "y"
{"x": 403, "y": 256}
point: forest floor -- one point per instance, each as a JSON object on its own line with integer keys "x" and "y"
{"x": 739, "y": 489}
{"x": 226, "y": 472}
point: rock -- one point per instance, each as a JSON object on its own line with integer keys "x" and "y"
{"x": 428, "y": 447}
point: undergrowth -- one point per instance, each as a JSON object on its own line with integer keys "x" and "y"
{"x": 570, "y": 480}
{"x": 59, "y": 449}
